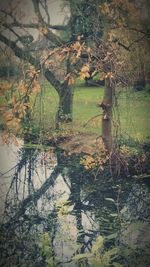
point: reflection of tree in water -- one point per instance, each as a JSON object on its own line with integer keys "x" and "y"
{"x": 25, "y": 215}
{"x": 31, "y": 233}
{"x": 30, "y": 209}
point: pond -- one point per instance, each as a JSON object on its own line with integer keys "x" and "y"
{"x": 55, "y": 213}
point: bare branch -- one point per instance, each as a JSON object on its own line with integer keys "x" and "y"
{"x": 48, "y": 34}
{"x": 130, "y": 45}
{"x": 26, "y": 55}
{"x": 31, "y": 25}
{"x": 45, "y": 7}
{"x": 20, "y": 52}
{"x": 92, "y": 119}
{"x": 37, "y": 11}
{"x": 136, "y": 30}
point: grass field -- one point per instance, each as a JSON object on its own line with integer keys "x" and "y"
{"x": 134, "y": 111}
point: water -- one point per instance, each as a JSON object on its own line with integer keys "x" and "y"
{"x": 52, "y": 209}
{"x": 24, "y": 171}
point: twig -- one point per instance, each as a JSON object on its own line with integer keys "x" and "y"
{"x": 84, "y": 125}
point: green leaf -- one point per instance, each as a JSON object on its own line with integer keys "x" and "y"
{"x": 108, "y": 254}
{"x": 112, "y": 236}
{"x": 110, "y": 199}
{"x": 114, "y": 214}
{"x": 81, "y": 256}
{"x": 97, "y": 263}
{"x": 98, "y": 244}
{"x": 116, "y": 264}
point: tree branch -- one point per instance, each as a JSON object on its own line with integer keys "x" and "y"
{"x": 26, "y": 55}
{"x": 136, "y": 30}
{"x": 52, "y": 79}
{"x": 130, "y": 45}
{"x": 16, "y": 23}
{"x": 45, "y": 7}
{"x": 48, "y": 34}
{"x": 84, "y": 125}
{"x": 19, "y": 52}
{"x": 31, "y": 25}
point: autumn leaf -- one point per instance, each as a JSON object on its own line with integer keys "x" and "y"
{"x": 36, "y": 87}
{"x": 102, "y": 76}
{"x": 71, "y": 81}
{"x": 14, "y": 124}
{"x": 20, "y": 109}
{"x": 109, "y": 75}
{"x": 4, "y": 86}
{"x": 84, "y": 73}
{"x": 8, "y": 115}
{"x": 42, "y": 30}
{"x": 22, "y": 87}
{"x": 32, "y": 72}
{"x": 78, "y": 48}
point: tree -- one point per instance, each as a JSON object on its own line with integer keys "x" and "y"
{"x": 21, "y": 37}
{"x": 93, "y": 37}
{"x": 124, "y": 29}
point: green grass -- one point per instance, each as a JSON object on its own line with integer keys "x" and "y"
{"x": 135, "y": 114}
{"x": 84, "y": 107}
{"x": 133, "y": 109}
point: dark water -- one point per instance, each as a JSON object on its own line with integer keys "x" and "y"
{"x": 52, "y": 209}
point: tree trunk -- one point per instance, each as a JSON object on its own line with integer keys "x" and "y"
{"x": 106, "y": 105}
{"x": 64, "y": 112}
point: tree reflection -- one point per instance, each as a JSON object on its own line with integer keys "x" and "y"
{"x": 54, "y": 210}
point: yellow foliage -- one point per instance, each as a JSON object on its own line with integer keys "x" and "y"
{"x": 36, "y": 87}
{"x": 109, "y": 75}
{"x": 42, "y": 30}
{"x": 32, "y": 72}
{"x": 88, "y": 162}
{"x": 14, "y": 124}
{"x": 127, "y": 151}
{"x": 20, "y": 109}
{"x": 77, "y": 47}
{"x": 8, "y": 115}
{"x": 98, "y": 159}
{"x": 102, "y": 76}
{"x": 71, "y": 81}
{"x": 22, "y": 87}
{"x": 84, "y": 73}
{"x": 4, "y": 86}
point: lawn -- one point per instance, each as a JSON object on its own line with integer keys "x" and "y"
{"x": 133, "y": 110}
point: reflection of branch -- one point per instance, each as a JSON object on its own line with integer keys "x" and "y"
{"x": 33, "y": 198}
{"x": 66, "y": 182}
{"x": 33, "y": 26}
{"x": 18, "y": 24}
{"x": 2, "y": 174}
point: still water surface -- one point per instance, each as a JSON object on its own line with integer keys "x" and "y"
{"x": 51, "y": 211}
